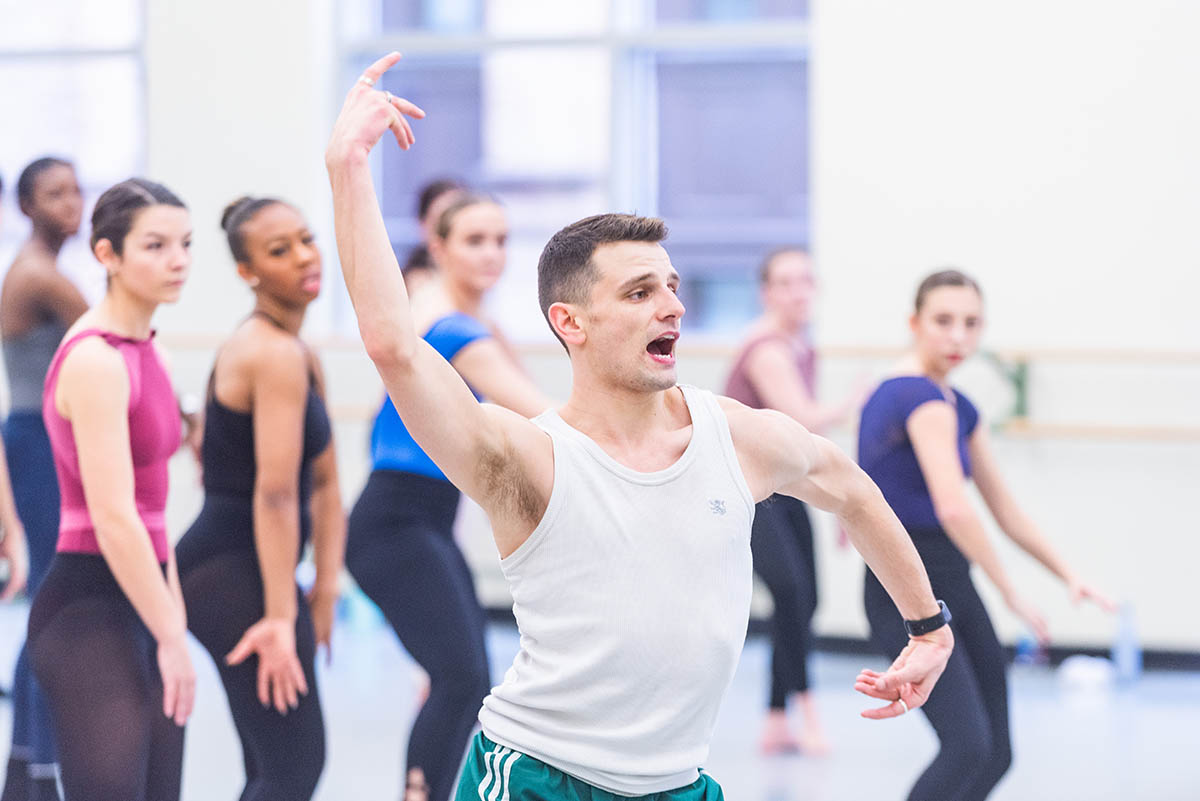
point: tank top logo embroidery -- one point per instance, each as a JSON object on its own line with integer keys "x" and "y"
{"x": 717, "y": 507}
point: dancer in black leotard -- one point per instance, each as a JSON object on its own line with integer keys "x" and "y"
{"x": 401, "y": 547}
{"x": 920, "y": 440}
{"x": 270, "y": 482}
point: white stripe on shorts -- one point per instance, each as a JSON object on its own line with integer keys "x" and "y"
{"x": 499, "y": 785}
{"x": 487, "y": 773}
{"x": 507, "y": 770}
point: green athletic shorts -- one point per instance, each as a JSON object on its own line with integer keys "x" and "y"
{"x": 495, "y": 773}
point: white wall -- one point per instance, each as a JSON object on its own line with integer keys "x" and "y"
{"x": 1048, "y": 147}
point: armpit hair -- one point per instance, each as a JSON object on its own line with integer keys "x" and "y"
{"x": 507, "y": 484}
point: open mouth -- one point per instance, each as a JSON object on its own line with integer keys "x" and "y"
{"x": 662, "y": 350}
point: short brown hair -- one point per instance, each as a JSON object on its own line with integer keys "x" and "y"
{"x": 565, "y": 270}
{"x": 942, "y": 278}
{"x": 764, "y": 268}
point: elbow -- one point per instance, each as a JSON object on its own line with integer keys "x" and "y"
{"x": 278, "y": 499}
{"x": 954, "y": 515}
{"x": 386, "y": 349}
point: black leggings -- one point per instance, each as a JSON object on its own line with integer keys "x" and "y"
{"x": 969, "y": 706}
{"x": 98, "y": 666}
{"x": 223, "y": 591}
{"x": 402, "y": 553}
{"x": 782, "y": 542}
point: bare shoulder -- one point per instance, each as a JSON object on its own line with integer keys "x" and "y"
{"x": 773, "y": 449}
{"x": 91, "y": 363}
{"x": 259, "y": 349}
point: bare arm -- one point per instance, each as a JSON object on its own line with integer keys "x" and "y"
{"x": 278, "y": 393}
{"x": 472, "y": 444}
{"x": 772, "y": 371}
{"x": 13, "y": 547}
{"x": 488, "y": 367}
{"x": 933, "y": 430}
{"x": 778, "y": 455}
{"x": 329, "y": 540}
{"x": 1017, "y": 525}
{"x": 100, "y": 423}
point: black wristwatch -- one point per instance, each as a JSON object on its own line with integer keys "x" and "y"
{"x": 916, "y": 628}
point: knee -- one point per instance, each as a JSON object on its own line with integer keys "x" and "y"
{"x": 1000, "y": 759}
{"x": 972, "y": 748}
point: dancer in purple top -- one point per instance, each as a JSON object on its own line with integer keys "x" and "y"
{"x": 776, "y": 369}
{"x": 922, "y": 441}
{"x": 107, "y": 631}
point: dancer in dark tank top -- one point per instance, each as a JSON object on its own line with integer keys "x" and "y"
{"x": 270, "y": 485}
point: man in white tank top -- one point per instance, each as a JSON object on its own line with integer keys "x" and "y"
{"x": 623, "y": 518}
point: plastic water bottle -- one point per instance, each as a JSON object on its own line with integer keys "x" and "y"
{"x": 1030, "y": 652}
{"x": 1126, "y": 650}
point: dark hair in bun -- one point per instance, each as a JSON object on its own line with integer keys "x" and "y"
{"x": 235, "y": 217}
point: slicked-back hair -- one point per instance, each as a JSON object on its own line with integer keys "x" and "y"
{"x": 119, "y": 206}
{"x": 566, "y": 272}
{"x": 942, "y": 278}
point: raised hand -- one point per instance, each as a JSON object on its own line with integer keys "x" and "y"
{"x": 178, "y": 679}
{"x": 280, "y": 677}
{"x": 910, "y": 679}
{"x": 367, "y": 113}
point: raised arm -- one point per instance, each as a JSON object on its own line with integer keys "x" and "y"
{"x": 933, "y": 431}
{"x": 778, "y": 455}
{"x": 1017, "y": 525}
{"x": 498, "y": 458}
{"x": 100, "y": 422}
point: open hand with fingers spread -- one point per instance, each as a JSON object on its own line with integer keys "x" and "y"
{"x": 281, "y": 679}
{"x": 367, "y": 113}
{"x": 909, "y": 681}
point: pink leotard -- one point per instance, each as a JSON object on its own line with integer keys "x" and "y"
{"x": 154, "y": 434}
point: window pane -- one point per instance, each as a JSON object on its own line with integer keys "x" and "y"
{"x": 62, "y": 24}
{"x": 729, "y": 10}
{"x": 733, "y": 173}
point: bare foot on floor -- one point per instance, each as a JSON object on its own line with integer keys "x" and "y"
{"x": 813, "y": 743}
{"x": 415, "y": 788}
{"x": 777, "y": 738}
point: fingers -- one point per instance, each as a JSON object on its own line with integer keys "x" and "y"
{"x": 893, "y": 710}
{"x": 240, "y": 651}
{"x": 407, "y": 107}
{"x": 264, "y": 684}
{"x": 170, "y": 695}
{"x": 15, "y": 585}
{"x": 400, "y": 128}
{"x": 376, "y": 70}
{"x": 185, "y": 700}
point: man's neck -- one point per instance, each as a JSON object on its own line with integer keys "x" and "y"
{"x": 617, "y": 415}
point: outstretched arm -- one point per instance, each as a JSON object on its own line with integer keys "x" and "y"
{"x": 778, "y": 455}
{"x": 933, "y": 431}
{"x": 484, "y": 451}
{"x": 1017, "y": 525}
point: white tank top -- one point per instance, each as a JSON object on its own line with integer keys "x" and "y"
{"x": 632, "y": 597}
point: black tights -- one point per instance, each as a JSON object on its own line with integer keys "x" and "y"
{"x": 969, "y": 705}
{"x": 782, "y": 542}
{"x": 402, "y": 553}
{"x": 97, "y": 664}
{"x": 283, "y": 754}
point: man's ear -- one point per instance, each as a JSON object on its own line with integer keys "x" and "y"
{"x": 565, "y": 319}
